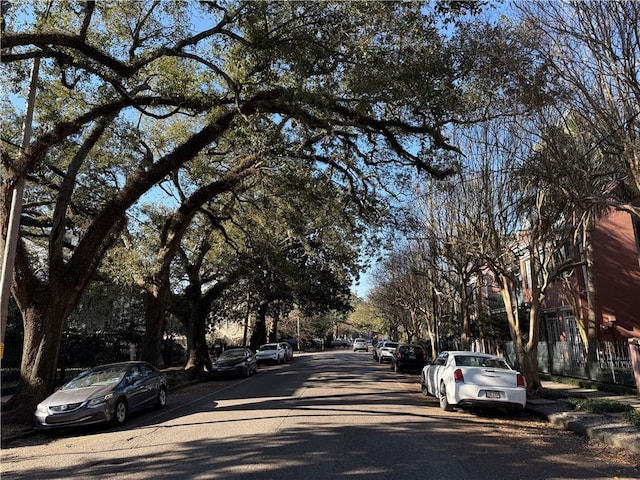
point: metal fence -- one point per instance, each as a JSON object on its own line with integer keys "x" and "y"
{"x": 613, "y": 364}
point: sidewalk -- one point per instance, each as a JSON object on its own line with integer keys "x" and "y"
{"x": 607, "y": 428}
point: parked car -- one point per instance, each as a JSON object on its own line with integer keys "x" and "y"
{"x": 288, "y": 351}
{"x": 408, "y": 358}
{"x": 385, "y": 351}
{"x": 374, "y": 350}
{"x": 239, "y": 361}
{"x": 106, "y": 393}
{"x": 360, "y": 344}
{"x": 340, "y": 343}
{"x": 270, "y": 352}
{"x": 471, "y": 379}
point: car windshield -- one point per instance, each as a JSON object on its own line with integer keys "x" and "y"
{"x": 478, "y": 361}
{"x": 229, "y": 354}
{"x": 268, "y": 347}
{"x": 97, "y": 376}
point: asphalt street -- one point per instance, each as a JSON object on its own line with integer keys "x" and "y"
{"x": 334, "y": 414}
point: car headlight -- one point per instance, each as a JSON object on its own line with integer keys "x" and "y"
{"x": 41, "y": 408}
{"x": 95, "y": 402}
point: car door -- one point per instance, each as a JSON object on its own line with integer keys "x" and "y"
{"x": 135, "y": 388}
{"x": 434, "y": 372}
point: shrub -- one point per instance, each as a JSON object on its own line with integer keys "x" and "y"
{"x": 600, "y": 405}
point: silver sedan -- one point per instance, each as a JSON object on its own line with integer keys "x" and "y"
{"x": 107, "y": 393}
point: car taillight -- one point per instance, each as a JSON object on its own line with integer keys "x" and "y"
{"x": 520, "y": 380}
{"x": 458, "y": 376}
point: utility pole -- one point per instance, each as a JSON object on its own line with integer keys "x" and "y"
{"x": 13, "y": 227}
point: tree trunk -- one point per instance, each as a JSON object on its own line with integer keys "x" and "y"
{"x": 198, "y": 358}
{"x": 592, "y": 300}
{"x": 466, "y": 320}
{"x": 259, "y": 334}
{"x": 43, "y": 327}
{"x": 157, "y": 302}
{"x": 273, "y": 334}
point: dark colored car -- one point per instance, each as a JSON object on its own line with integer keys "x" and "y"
{"x": 408, "y": 358}
{"x": 340, "y": 343}
{"x": 106, "y": 393}
{"x": 235, "y": 362}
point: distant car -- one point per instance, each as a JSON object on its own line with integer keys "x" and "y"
{"x": 340, "y": 343}
{"x": 408, "y": 358}
{"x": 271, "y": 352}
{"x": 288, "y": 351}
{"x": 360, "y": 344}
{"x": 386, "y": 350}
{"x": 235, "y": 362}
{"x": 471, "y": 379}
{"x": 103, "y": 394}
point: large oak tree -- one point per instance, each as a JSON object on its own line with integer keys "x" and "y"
{"x": 359, "y": 84}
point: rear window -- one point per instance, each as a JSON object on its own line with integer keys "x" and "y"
{"x": 477, "y": 361}
{"x": 411, "y": 350}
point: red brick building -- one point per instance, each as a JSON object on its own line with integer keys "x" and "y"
{"x": 616, "y": 248}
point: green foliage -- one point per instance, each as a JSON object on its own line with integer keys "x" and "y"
{"x": 600, "y": 405}
{"x": 633, "y": 417}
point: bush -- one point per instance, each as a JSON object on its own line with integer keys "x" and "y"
{"x": 633, "y": 417}
{"x": 600, "y": 405}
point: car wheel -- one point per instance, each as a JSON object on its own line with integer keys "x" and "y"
{"x": 162, "y": 398}
{"x": 246, "y": 371}
{"x": 425, "y": 390}
{"x": 120, "y": 412}
{"x": 444, "y": 403}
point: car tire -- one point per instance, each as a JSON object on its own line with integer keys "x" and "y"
{"x": 120, "y": 412}
{"x": 425, "y": 389}
{"x": 246, "y": 371}
{"x": 161, "y": 401}
{"x": 444, "y": 402}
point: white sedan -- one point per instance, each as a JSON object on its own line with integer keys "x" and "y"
{"x": 472, "y": 379}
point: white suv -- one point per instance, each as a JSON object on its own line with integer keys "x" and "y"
{"x": 360, "y": 344}
{"x": 271, "y": 352}
{"x": 385, "y": 350}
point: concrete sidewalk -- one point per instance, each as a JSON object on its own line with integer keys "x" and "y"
{"x": 611, "y": 429}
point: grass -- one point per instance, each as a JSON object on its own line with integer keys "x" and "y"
{"x": 600, "y": 406}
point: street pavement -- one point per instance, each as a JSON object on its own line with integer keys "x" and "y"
{"x": 610, "y": 429}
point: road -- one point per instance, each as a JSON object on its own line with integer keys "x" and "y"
{"x": 325, "y": 415}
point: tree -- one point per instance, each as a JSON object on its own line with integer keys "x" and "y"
{"x": 592, "y": 155}
{"x": 115, "y": 74}
{"x": 593, "y": 50}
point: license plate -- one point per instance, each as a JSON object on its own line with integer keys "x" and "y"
{"x": 412, "y": 357}
{"x": 491, "y": 394}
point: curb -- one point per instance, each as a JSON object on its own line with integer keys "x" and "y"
{"x": 604, "y": 428}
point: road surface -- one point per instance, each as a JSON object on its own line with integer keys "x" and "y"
{"x": 325, "y": 415}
